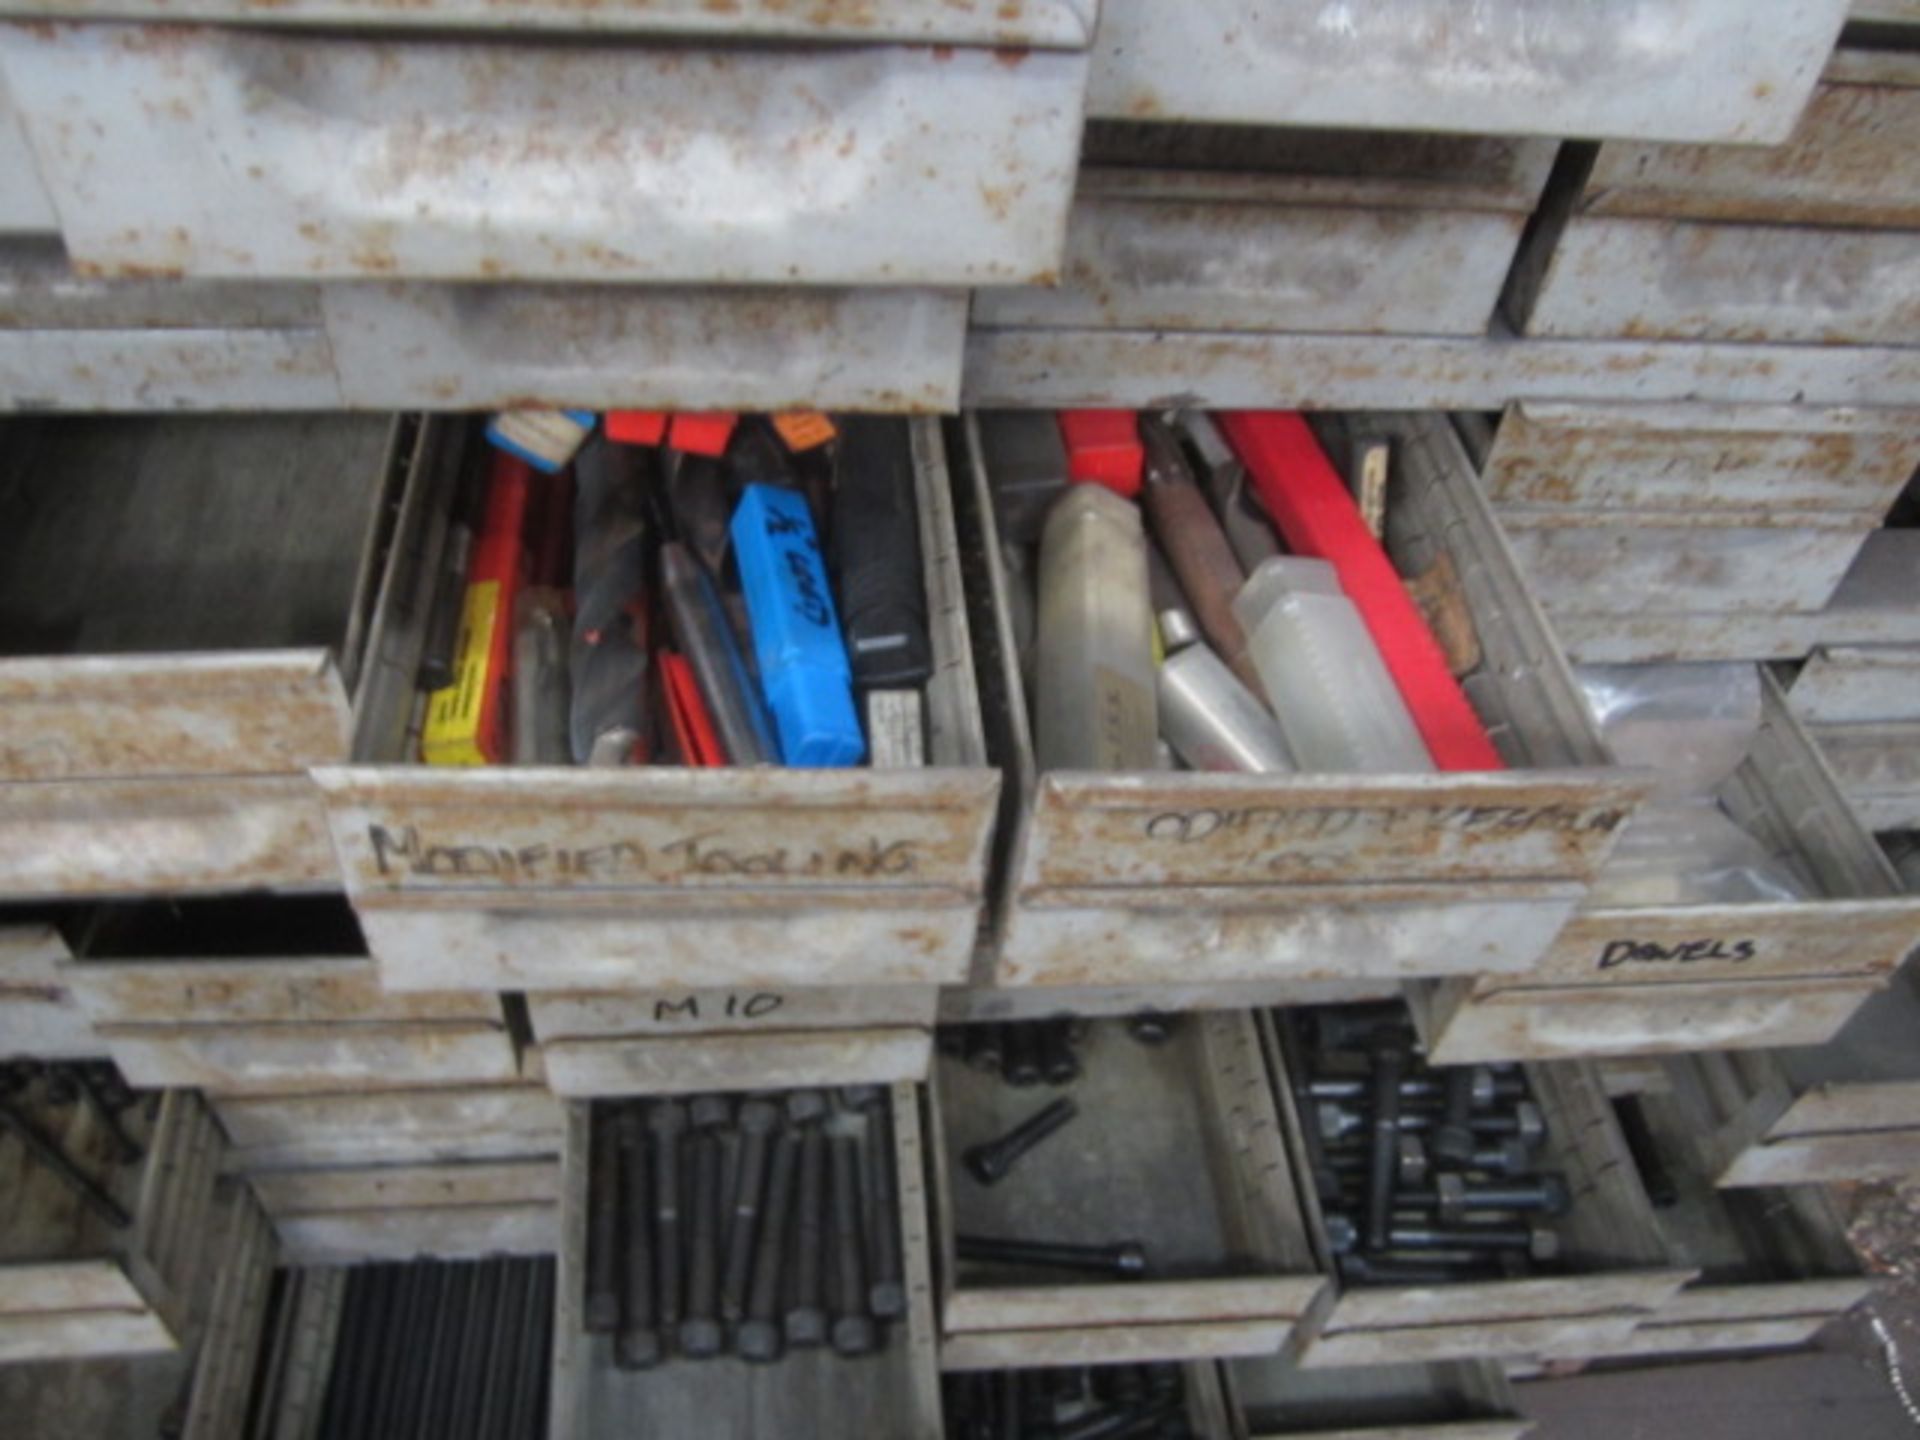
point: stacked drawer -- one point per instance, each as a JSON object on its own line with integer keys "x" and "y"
{"x": 1809, "y": 242}
{"x": 1443, "y": 1400}
{"x": 1622, "y": 980}
{"x": 1861, "y": 705}
{"x": 1683, "y": 517}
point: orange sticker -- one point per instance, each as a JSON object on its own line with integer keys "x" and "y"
{"x": 804, "y": 429}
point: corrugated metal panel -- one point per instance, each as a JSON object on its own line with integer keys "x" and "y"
{"x": 1054, "y": 23}
{"x": 237, "y": 153}
{"x": 1645, "y": 69}
{"x": 500, "y": 346}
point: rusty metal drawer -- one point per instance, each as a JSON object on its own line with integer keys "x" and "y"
{"x": 1180, "y": 878}
{"x": 1861, "y": 705}
{"x": 1682, "y": 70}
{"x": 271, "y": 153}
{"x": 1651, "y": 460}
{"x": 71, "y": 1285}
{"x": 1297, "y": 246}
{"x": 1623, "y": 980}
{"x": 243, "y": 996}
{"x": 1176, "y": 1147}
{"x": 1443, "y": 1400}
{"x": 350, "y": 1215}
{"x": 1614, "y": 1271}
{"x": 24, "y": 206}
{"x": 1775, "y": 1263}
{"x": 810, "y": 1391}
{"x": 421, "y": 1125}
{"x": 564, "y": 878}
{"x": 639, "y": 1043}
{"x": 184, "y": 618}
{"x": 1813, "y": 242}
{"x": 39, "y": 1017}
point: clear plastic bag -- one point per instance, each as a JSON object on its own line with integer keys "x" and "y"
{"x": 1691, "y": 852}
{"x": 1693, "y": 724}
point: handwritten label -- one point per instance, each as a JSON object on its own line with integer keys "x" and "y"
{"x": 406, "y": 854}
{"x": 1687, "y": 952}
{"x": 731, "y": 1006}
{"x": 1269, "y": 825}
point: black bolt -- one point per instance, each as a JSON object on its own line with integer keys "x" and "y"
{"x": 853, "y": 1332}
{"x": 1524, "y": 1120}
{"x": 700, "y": 1334}
{"x": 989, "y": 1161}
{"x": 757, "y": 1121}
{"x": 1451, "y": 1195}
{"x": 805, "y": 1106}
{"x": 1536, "y": 1241}
{"x": 63, "y": 1086}
{"x": 985, "y": 1050}
{"x": 1022, "y": 1064}
{"x": 638, "y": 1344}
{"x": 1119, "y": 1422}
{"x": 806, "y": 1319}
{"x": 1389, "y": 1061}
{"x": 1009, "y": 1424}
{"x": 1126, "y": 1260}
{"x": 710, "y": 1112}
{"x": 1378, "y": 1270}
{"x": 1483, "y": 1086}
{"x": 861, "y": 1097}
{"x": 887, "y": 1287}
{"x": 1511, "y": 1156}
{"x": 1152, "y": 1027}
{"x": 1453, "y": 1137}
{"x": 603, "y": 1230}
{"x": 1360, "y": 1026}
{"x": 1058, "y": 1064}
{"x": 1412, "y": 1166}
{"x": 759, "y": 1335}
{"x": 668, "y": 1122}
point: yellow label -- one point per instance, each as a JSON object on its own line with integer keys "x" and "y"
{"x": 804, "y": 429}
{"x": 452, "y": 734}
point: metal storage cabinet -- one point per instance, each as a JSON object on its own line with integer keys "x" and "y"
{"x": 1614, "y": 1270}
{"x": 1812, "y": 242}
{"x": 812, "y": 1391}
{"x": 1445, "y": 1400}
{"x": 1177, "y": 1147}
{"x": 1176, "y": 879}
{"x": 563, "y": 878}
{"x": 1235, "y": 230}
{"x": 1665, "y": 70}
{"x": 695, "y": 156}
{"x": 1768, "y": 974}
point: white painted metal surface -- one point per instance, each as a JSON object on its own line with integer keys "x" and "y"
{"x": 1858, "y": 684}
{"x": 228, "y": 152}
{"x": 1651, "y": 69}
{"x": 1064, "y": 24}
{"x": 1151, "y": 265}
{"x": 25, "y": 208}
{"x": 38, "y": 1015}
{"x": 603, "y": 346}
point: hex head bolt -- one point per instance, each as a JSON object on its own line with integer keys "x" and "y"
{"x": 668, "y": 1122}
{"x": 758, "y": 1118}
{"x": 853, "y": 1332}
{"x": 886, "y": 1283}
{"x": 700, "y": 1333}
{"x": 985, "y": 1048}
{"x": 603, "y": 1230}
{"x": 1510, "y": 1157}
{"x": 806, "y": 1319}
{"x": 1525, "y": 1122}
{"x": 759, "y": 1335}
{"x": 1389, "y": 1063}
{"x": 1453, "y": 1197}
{"x": 638, "y": 1343}
{"x": 990, "y": 1160}
{"x": 1485, "y": 1086}
{"x": 1058, "y": 1064}
{"x": 1453, "y": 1136}
{"x": 1126, "y": 1260}
{"x": 1022, "y": 1064}
{"x": 1535, "y": 1241}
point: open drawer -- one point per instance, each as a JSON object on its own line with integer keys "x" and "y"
{"x": 1775, "y": 1263}
{"x": 893, "y": 1390}
{"x": 185, "y": 614}
{"x": 664, "y": 1043}
{"x": 453, "y": 1210}
{"x": 682, "y": 157}
{"x": 1845, "y": 1110}
{"x": 238, "y": 995}
{"x": 1177, "y": 1149}
{"x": 1182, "y": 877}
{"x": 1622, "y": 980}
{"x": 1610, "y": 1273}
{"x": 1443, "y": 1400}
{"x": 543, "y": 877}
{"x": 420, "y": 1126}
{"x": 74, "y": 1280}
